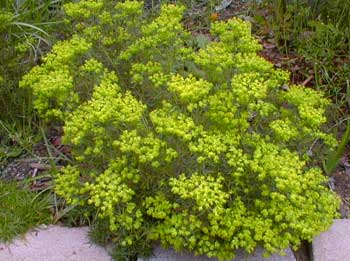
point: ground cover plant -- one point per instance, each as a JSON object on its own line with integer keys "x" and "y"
{"x": 203, "y": 148}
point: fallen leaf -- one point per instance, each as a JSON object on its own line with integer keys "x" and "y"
{"x": 223, "y": 5}
{"x": 39, "y": 166}
{"x": 269, "y": 46}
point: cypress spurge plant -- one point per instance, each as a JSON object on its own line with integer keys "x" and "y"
{"x": 202, "y": 149}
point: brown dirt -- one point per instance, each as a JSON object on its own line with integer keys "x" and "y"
{"x": 38, "y": 164}
{"x": 341, "y": 181}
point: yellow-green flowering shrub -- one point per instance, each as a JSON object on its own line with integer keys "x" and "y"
{"x": 202, "y": 149}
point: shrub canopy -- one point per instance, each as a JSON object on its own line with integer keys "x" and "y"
{"x": 202, "y": 148}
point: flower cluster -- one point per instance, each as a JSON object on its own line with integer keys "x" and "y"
{"x": 53, "y": 83}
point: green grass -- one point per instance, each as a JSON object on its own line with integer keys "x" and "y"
{"x": 319, "y": 31}
{"x": 20, "y": 210}
{"x": 28, "y": 28}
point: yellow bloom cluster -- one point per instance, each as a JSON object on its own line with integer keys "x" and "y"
{"x": 169, "y": 122}
{"x": 189, "y": 89}
{"x": 146, "y": 149}
{"x": 110, "y": 191}
{"x": 206, "y": 191}
{"x": 53, "y": 83}
{"x": 87, "y": 125}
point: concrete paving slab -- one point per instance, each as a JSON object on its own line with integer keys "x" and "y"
{"x": 54, "y": 243}
{"x": 170, "y": 255}
{"x": 334, "y": 244}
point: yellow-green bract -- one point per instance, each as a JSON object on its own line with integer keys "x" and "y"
{"x": 200, "y": 148}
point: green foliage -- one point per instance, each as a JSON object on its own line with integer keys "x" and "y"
{"x": 52, "y": 83}
{"x": 20, "y": 211}
{"x": 336, "y": 12}
{"x": 291, "y": 17}
{"x": 318, "y": 30}
{"x": 327, "y": 48}
{"x": 24, "y": 37}
{"x": 201, "y": 149}
{"x": 197, "y": 15}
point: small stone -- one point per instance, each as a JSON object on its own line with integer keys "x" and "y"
{"x": 334, "y": 243}
{"x": 285, "y": 87}
{"x": 54, "y": 244}
{"x": 170, "y": 255}
{"x": 278, "y": 65}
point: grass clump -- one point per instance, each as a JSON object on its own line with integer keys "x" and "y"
{"x": 20, "y": 210}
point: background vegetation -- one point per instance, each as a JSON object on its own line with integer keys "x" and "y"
{"x": 315, "y": 31}
{"x": 319, "y": 31}
{"x": 28, "y": 29}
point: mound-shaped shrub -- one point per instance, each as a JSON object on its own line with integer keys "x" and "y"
{"x": 203, "y": 149}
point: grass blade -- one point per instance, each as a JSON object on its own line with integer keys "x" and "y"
{"x": 19, "y": 24}
{"x": 333, "y": 160}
